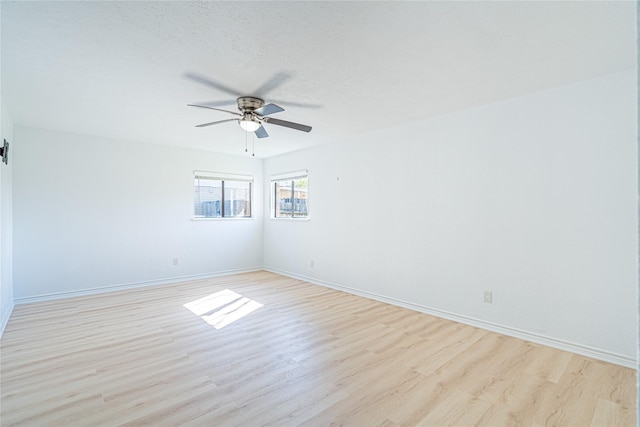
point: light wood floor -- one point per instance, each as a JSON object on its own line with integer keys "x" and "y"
{"x": 309, "y": 356}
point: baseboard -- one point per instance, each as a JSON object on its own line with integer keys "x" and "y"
{"x": 583, "y": 350}
{"x": 5, "y": 318}
{"x": 120, "y": 287}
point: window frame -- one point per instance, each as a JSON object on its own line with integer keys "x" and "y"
{"x": 286, "y": 177}
{"x": 222, "y": 177}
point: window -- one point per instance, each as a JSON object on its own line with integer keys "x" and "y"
{"x": 221, "y": 195}
{"x": 290, "y": 195}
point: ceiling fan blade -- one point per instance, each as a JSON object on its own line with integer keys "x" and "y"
{"x": 272, "y": 83}
{"x": 213, "y": 108}
{"x": 261, "y": 132}
{"x": 265, "y": 110}
{"x": 212, "y": 83}
{"x": 287, "y": 124}
{"x": 297, "y": 104}
{"x": 215, "y": 123}
{"x": 218, "y": 103}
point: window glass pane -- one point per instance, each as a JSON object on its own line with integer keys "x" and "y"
{"x": 237, "y": 198}
{"x": 207, "y": 198}
{"x": 300, "y": 197}
{"x": 282, "y": 198}
{"x": 290, "y": 197}
{"x": 218, "y": 197}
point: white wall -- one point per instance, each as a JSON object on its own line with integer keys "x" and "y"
{"x": 91, "y": 213}
{"x": 6, "y": 221}
{"x": 533, "y": 198}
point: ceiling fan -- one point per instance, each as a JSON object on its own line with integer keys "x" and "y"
{"x": 254, "y": 112}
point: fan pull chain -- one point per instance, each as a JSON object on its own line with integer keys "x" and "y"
{"x": 245, "y": 143}
{"x": 253, "y": 148}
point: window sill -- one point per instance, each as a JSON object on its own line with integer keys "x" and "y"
{"x": 241, "y": 218}
{"x": 289, "y": 219}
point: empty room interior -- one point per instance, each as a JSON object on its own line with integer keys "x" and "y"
{"x": 319, "y": 213}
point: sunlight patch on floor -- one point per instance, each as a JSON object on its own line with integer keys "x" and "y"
{"x": 222, "y": 308}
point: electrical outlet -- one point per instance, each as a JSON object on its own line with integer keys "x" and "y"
{"x": 488, "y": 297}
{"x": 312, "y": 263}
{"x": 174, "y": 261}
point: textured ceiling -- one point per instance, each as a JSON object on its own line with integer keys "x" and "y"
{"x": 120, "y": 69}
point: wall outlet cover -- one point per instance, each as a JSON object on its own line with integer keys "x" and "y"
{"x": 488, "y": 297}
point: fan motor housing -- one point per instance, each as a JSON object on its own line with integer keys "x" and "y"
{"x": 249, "y": 103}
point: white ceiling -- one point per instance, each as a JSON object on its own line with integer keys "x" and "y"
{"x": 119, "y": 69}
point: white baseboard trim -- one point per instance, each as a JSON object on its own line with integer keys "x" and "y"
{"x": 5, "y": 318}
{"x": 583, "y": 350}
{"x": 111, "y": 288}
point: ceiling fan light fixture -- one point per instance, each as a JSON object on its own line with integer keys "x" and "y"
{"x": 252, "y": 112}
{"x": 249, "y": 125}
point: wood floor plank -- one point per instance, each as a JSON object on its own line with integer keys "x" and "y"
{"x": 459, "y": 409}
{"x": 608, "y": 413}
{"x": 304, "y": 355}
{"x": 574, "y": 400}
